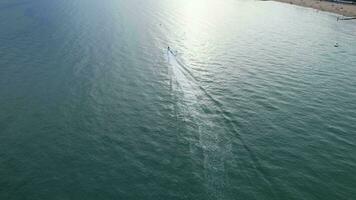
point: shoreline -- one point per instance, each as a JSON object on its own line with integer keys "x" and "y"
{"x": 347, "y": 10}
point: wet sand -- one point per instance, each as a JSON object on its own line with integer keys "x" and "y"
{"x": 348, "y": 10}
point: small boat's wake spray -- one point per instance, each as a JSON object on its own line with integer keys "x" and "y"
{"x": 201, "y": 111}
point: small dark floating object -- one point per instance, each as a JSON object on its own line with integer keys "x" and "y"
{"x": 345, "y": 18}
{"x": 336, "y": 45}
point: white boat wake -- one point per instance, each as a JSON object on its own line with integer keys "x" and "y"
{"x": 199, "y": 111}
{"x": 204, "y": 113}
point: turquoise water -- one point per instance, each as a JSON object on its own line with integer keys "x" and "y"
{"x": 257, "y": 103}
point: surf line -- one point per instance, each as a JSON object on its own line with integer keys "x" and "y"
{"x": 184, "y": 71}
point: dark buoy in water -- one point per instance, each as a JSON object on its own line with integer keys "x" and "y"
{"x": 336, "y": 45}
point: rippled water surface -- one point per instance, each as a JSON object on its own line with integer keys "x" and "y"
{"x": 253, "y": 102}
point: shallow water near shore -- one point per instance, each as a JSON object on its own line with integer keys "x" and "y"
{"x": 256, "y": 103}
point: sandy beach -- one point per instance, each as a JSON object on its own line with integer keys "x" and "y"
{"x": 348, "y": 10}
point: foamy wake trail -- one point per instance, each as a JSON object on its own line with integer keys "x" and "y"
{"x": 196, "y": 105}
{"x": 199, "y": 111}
